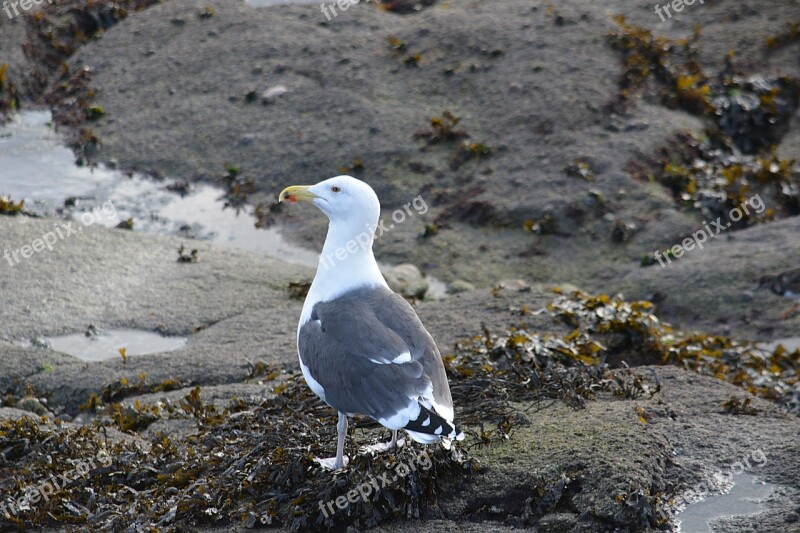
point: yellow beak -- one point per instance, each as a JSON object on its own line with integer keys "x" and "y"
{"x": 297, "y": 193}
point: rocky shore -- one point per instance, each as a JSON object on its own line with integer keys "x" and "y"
{"x": 555, "y": 146}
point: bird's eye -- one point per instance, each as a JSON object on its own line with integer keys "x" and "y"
{"x": 336, "y": 189}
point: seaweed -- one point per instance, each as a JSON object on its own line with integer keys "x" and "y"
{"x": 94, "y": 112}
{"x": 265, "y": 214}
{"x": 190, "y": 257}
{"x": 647, "y": 509}
{"x": 126, "y": 224}
{"x": 428, "y": 231}
{"x": 249, "y": 463}
{"x": 238, "y": 188}
{"x": 444, "y": 130}
{"x": 10, "y": 207}
{"x": 469, "y": 150}
{"x": 405, "y": 7}
{"x": 356, "y": 168}
{"x": 252, "y": 462}
{"x": 709, "y": 175}
{"x": 789, "y": 36}
{"x": 55, "y": 31}
{"x": 753, "y": 111}
{"x": 400, "y": 48}
{"x": 133, "y": 418}
{"x": 123, "y": 388}
{"x": 580, "y": 168}
{"x": 630, "y": 332}
{"x": 739, "y": 406}
{"x": 464, "y": 206}
{"x": 9, "y": 96}
{"x": 299, "y": 289}
{"x": 650, "y": 260}
{"x": 207, "y": 12}
{"x": 546, "y": 225}
{"x": 647, "y": 56}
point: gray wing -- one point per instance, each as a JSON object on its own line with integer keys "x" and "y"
{"x": 371, "y": 355}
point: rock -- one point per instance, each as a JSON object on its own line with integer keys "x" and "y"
{"x": 247, "y": 139}
{"x": 459, "y": 286}
{"x": 257, "y": 51}
{"x": 272, "y": 93}
{"x": 514, "y": 285}
{"x": 603, "y": 449}
{"x": 33, "y": 405}
{"x": 407, "y": 280}
{"x": 40, "y": 342}
{"x": 557, "y": 522}
{"x": 567, "y": 288}
{"x": 12, "y": 413}
{"x": 236, "y": 303}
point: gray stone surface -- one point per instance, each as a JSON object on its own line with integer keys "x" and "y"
{"x": 529, "y": 86}
{"x": 173, "y": 87}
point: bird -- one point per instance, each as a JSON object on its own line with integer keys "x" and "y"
{"x": 786, "y": 284}
{"x": 363, "y": 350}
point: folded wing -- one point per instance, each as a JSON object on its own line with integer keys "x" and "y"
{"x": 370, "y": 354}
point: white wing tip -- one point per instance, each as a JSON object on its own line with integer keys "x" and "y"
{"x": 447, "y": 442}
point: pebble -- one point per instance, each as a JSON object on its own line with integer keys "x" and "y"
{"x": 518, "y": 285}
{"x": 459, "y": 286}
{"x": 33, "y": 405}
{"x": 40, "y": 342}
{"x": 407, "y": 280}
{"x": 272, "y": 93}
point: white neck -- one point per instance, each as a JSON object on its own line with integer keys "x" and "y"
{"x": 346, "y": 262}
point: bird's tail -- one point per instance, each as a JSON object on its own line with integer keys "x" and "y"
{"x": 429, "y": 427}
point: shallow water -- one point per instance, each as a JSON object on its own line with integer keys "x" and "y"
{"x": 40, "y": 170}
{"x": 743, "y": 499}
{"x": 37, "y": 167}
{"x": 106, "y": 345}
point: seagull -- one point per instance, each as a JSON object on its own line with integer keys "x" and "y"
{"x": 362, "y": 348}
{"x": 786, "y": 284}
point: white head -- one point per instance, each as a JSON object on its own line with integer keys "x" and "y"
{"x": 346, "y": 201}
{"x": 346, "y": 261}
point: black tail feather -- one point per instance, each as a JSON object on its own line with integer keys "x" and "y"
{"x": 430, "y": 423}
